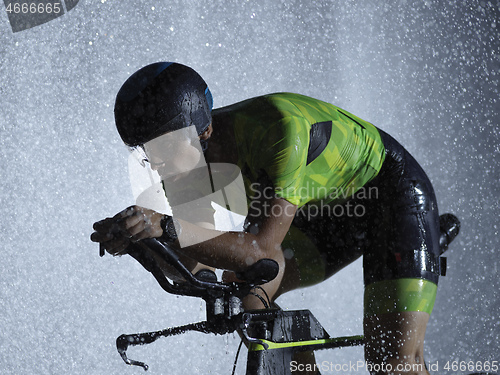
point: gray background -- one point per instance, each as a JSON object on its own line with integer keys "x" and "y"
{"x": 425, "y": 71}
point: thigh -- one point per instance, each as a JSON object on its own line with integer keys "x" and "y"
{"x": 404, "y": 231}
{"x": 324, "y": 240}
{"x": 318, "y": 246}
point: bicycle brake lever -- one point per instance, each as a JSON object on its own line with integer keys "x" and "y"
{"x": 124, "y": 341}
{"x": 122, "y": 344}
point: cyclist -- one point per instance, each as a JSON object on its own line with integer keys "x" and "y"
{"x": 323, "y": 187}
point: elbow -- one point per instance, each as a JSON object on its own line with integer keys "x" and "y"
{"x": 262, "y": 249}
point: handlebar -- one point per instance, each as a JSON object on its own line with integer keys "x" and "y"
{"x": 224, "y": 305}
{"x": 202, "y": 283}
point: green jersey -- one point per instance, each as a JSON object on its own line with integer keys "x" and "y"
{"x": 310, "y": 150}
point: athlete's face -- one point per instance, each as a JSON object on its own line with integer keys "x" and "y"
{"x": 175, "y": 153}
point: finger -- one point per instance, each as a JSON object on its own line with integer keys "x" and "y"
{"x": 137, "y": 219}
{"x": 145, "y": 229}
{"x": 141, "y": 235}
{"x": 118, "y": 222}
{"x": 102, "y": 225}
{"x": 120, "y": 250}
{"x": 142, "y": 230}
{"x": 137, "y": 228}
{"x": 101, "y": 237}
{"x": 117, "y": 246}
{"x": 123, "y": 225}
{"x": 129, "y": 211}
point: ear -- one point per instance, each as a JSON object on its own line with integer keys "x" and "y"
{"x": 207, "y": 133}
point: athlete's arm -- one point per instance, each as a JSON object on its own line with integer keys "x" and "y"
{"x": 269, "y": 221}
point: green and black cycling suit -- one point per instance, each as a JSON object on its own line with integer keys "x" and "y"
{"x": 358, "y": 192}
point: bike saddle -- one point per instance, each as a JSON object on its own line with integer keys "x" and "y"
{"x": 449, "y": 226}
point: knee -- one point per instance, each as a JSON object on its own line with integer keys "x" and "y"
{"x": 383, "y": 361}
{"x": 394, "y": 343}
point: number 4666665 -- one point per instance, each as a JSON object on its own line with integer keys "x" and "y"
{"x": 33, "y": 8}
{"x": 471, "y": 366}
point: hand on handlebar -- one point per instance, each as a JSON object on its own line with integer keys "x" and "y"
{"x": 130, "y": 225}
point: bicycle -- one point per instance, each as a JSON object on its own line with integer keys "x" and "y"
{"x": 272, "y": 336}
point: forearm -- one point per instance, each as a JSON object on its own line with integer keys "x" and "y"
{"x": 226, "y": 250}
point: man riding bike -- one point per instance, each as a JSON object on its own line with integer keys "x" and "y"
{"x": 323, "y": 187}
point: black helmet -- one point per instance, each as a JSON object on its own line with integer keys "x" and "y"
{"x": 160, "y": 98}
